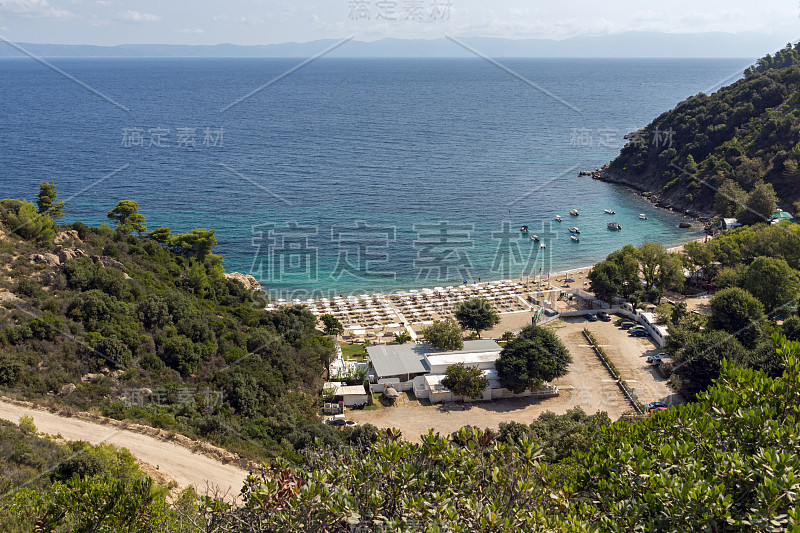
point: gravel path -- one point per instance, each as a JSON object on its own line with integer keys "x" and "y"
{"x": 179, "y": 463}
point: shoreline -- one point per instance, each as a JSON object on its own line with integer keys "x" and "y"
{"x": 306, "y": 295}
{"x": 367, "y": 293}
{"x": 600, "y": 174}
{"x": 362, "y": 293}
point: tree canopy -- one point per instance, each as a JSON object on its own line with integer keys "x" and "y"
{"x": 465, "y": 380}
{"x": 24, "y": 220}
{"x": 46, "y": 201}
{"x": 126, "y": 215}
{"x": 773, "y": 282}
{"x": 476, "y": 314}
{"x": 535, "y": 356}
{"x": 738, "y": 312}
{"x": 444, "y": 335}
{"x": 331, "y": 325}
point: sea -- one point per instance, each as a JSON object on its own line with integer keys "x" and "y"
{"x": 351, "y": 176}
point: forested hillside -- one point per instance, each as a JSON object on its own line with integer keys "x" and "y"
{"x": 145, "y": 326}
{"x": 744, "y": 133}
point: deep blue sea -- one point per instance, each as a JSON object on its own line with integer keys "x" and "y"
{"x": 350, "y": 175}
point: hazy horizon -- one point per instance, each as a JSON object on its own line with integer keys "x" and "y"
{"x": 260, "y": 22}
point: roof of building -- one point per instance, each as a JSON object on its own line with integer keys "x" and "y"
{"x": 350, "y": 390}
{"x": 400, "y": 359}
{"x": 452, "y": 358}
{"x": 434, "y": 382}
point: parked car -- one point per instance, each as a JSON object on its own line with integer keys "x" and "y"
{"x": 591, "y": 317}
{"x": 656, "y": 359}
{"x": 619, "y": 321}
{"x": 351, "y": 423}
{"x": 336, "y": 421}
{"x": 602, "y": 315}
{"x": 640, "y": 333}
{"x": 627, "y": 324}
{"x": 656, "y": 406}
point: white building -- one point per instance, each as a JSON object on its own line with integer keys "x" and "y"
{"x": 351, "y": 395}
{"x": 430, "y": 385}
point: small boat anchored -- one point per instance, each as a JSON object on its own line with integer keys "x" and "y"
{"x": 614, "y": 226}
{"x": 574, "y": 212}
{"x": 574, "y": 230}
{"x": 558, "y": 218}
{"x": 575, "y": 238}
{"x": 642, "y": 216}
{"x": 524, "y": 229}
{"x": 535, "y": 238}
{"x": 610, "y": 211}
{"x": 543, "y": 246}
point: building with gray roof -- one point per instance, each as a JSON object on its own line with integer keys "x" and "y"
{"x": 406, "y": 361}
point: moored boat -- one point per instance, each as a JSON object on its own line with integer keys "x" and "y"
{"x": 575, "y": 238}
{"x": 535, "y": 238}
{"x": 524, "y": 229}
{"x": 642, "y": 216}
{"x": 558, "y": 218}
{"x": 614, "y": 226}
{"x": 610, "y": 211}
{"x": 574, "y": 212}
{"x": 574, "y": 230}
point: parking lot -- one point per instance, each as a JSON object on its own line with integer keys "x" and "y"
{"x": 629, "y": 355}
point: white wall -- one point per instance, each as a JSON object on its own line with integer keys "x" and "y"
{"x": 355, "y": 399}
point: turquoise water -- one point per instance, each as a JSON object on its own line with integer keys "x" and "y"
{"x": 351, "y": 175}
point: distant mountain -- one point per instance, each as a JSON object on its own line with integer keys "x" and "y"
{"x": 729, "y": 141}
{"x": 629, "y": 44}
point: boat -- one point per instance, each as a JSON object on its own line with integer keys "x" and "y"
{"x": 524, "y": 229}
{"x": 642, "y": 216}
{"x": 574, "y": 212}
{"x": 575, "y": 238}
{"x": 614, "y": 226}
{"x": 543, "y": 246}
{"x": 535, "y": 238}
{"x": 558, "y": 218}
{"x": 610, "y": 211}
{"x": 574, "y": 230}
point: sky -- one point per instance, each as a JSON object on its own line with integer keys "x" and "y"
{"x": 248, "y": 22}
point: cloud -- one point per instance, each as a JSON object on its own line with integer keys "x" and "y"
{"x": 136, "y": 16}
{"x": 242, "y": 20}
{"x": 33, "y": 8}
{"x": 195, "y": 31}
{"x": 97, "y": 22}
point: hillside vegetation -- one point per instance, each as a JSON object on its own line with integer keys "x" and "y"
{"x": 146, "y": 327}
{"x": 745, "y": 133}
{"x": 728, "y": 462}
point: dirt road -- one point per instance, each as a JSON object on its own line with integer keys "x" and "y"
{"x": 179, "y": 463}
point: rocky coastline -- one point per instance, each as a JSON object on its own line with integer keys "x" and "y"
{"x": 671, "y": 204}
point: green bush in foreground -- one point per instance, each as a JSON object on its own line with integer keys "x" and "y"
{"x": 729, "y": 462}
